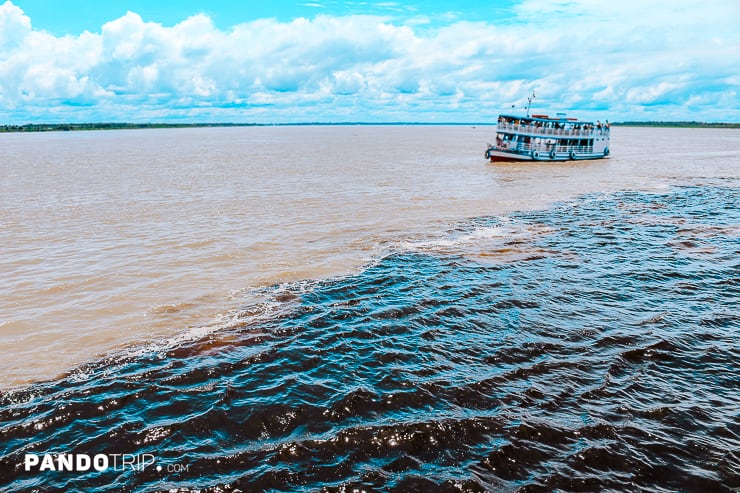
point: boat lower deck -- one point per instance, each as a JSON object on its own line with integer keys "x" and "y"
{"x": 495, "y": 154}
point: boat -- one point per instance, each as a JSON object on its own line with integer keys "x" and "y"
{"x": 544, "y": 138}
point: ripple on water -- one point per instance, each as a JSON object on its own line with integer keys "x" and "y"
{"x": 600, "y": 356}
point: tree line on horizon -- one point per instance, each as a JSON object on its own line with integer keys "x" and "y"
{"x": 55, "y": 127}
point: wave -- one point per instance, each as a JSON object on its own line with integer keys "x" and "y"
{"x": 606, "y": 364}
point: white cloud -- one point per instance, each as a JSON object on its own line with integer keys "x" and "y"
{"x": 599, "y": 58}
{"x": 14, "y": 26}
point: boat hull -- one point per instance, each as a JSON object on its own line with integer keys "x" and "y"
{"x": 495, "y": 156}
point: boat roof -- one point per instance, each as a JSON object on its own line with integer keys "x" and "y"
{"x": 545, "y": 118}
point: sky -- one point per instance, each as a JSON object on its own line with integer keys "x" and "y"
{"x": 282, "y": 61}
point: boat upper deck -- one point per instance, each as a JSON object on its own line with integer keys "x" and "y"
{"x": 539, "y": 125}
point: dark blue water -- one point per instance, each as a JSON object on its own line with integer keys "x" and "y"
{"x": 592, "y": 346}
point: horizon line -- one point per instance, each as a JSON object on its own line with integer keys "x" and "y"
{"x": 112, "y": 125}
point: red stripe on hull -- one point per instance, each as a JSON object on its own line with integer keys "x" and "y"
{"x": 507, "y": 159}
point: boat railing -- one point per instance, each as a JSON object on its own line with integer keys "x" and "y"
{"x": 524, "y": 148}
{"x": 551, "y": 131}
{"x": 576, "y": 149}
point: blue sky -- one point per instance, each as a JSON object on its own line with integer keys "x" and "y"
{"x": 75, "y": 16}
{"x": 321, "y": 60}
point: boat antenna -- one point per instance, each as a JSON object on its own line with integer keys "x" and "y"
{"x": 529, "y": 102}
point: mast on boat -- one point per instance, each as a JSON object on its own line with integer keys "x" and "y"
{"x": 529, "y": 102}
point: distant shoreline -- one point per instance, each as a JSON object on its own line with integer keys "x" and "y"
{"x": 678, "y": 124}
{"x": 63, "y": 127}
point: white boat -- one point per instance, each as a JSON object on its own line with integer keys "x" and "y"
{"x": 544, "y": 138}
